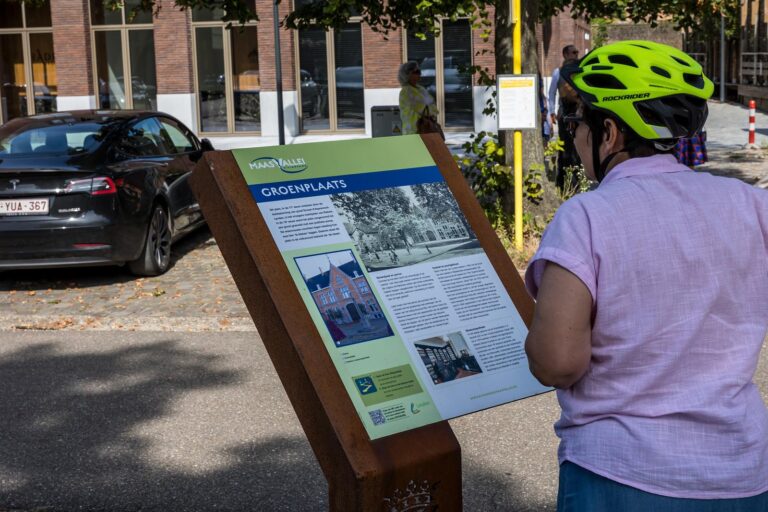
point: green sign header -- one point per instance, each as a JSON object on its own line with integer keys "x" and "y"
{"x": 326, "y": 159}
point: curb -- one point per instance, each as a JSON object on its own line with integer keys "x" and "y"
{"x": 91, "y": 323}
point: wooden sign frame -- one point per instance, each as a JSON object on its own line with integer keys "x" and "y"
{"x": 420, "y": 467}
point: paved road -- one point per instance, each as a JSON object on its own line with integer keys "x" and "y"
{"x": 151, "y": 421}
{"x": 155, "y": 421}
{"x": 728, "y": 126}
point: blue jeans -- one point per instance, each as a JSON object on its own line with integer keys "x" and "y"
{"x": 583, "y": 491}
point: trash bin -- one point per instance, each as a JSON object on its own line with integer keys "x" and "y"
{"x": 385, "y": 121}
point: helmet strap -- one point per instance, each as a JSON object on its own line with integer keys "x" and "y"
{"x": 598, "y": 165}
{"x": 601, "y": 171}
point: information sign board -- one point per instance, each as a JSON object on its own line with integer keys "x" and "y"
{"x": 405, "y": 299}
{"x": 518, "y": 106}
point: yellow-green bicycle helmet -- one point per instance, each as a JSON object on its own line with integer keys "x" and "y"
{"x": 656, "y": 90}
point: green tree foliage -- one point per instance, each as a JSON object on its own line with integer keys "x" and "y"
{"x": 380, "y": 207}
{"x": 437, "y": 200}
{"x": 686, "y": 14}
{"x": 421, "y": 16}
{"x": 600, "y": 32}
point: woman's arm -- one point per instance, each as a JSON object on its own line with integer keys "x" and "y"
{"x": 559, "y": 343}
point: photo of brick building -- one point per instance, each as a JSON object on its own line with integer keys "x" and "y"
{"x": 220, "y": 81}
{"x": 344, "y": 298}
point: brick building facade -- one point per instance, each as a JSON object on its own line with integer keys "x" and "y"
{"x": 221, "y": 81}
{"x": 558, "y": 32}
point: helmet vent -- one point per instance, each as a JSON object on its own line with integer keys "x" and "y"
{"x": 640, "y": 45}
{"x": 681, "y": 119}
{"x": 602, "y": 81}
{"x": 622, "y": 59}
{"x": 649, "y": 115}
{"x": 681, "y": 61}
{"x": 660, "y": 71}
{"x": 591, "y": 62}
{"x": 694, "y": 80}
{"x": 673, "y": 102}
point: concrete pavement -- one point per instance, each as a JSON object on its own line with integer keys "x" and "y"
{"x": 151, "y": 421}
{"x": 158, "y": 422}
{"x": 728, "y": 126}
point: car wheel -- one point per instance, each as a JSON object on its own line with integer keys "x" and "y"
{"x": 156, "y": 255}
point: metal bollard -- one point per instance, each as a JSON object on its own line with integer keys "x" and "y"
{"x": 751, "y": 123}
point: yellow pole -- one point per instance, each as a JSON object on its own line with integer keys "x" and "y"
{"x": 518, "y": 138}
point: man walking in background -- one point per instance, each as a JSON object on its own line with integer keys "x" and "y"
{"x": 567, "y": 105}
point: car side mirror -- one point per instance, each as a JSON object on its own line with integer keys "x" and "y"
{"x": 206, "y": 145}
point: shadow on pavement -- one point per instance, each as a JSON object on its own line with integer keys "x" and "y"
{"x": 201, "y": 237}
{"x": 69, "y": 437}
{"x": 730, "y": 169}
{"x": 73, "y": 438}
{"x": 86, "y": 277}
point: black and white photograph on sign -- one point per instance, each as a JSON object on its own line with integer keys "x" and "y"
{"x": 447, "y": 357}
{"x": 401, "y": 226}
{"x": 343, "y": 295}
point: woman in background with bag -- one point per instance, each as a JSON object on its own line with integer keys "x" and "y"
{"x": 418, "y": 111}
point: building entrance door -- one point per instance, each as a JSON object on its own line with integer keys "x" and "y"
{"x": 353, "y": 312}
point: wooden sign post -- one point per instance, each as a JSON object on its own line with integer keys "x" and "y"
{"x": 415, "y": 470}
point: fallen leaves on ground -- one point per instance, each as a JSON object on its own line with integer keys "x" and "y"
{"x": 47, "y": 325}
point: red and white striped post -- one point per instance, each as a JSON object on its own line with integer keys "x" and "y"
{"x": 751, "y": 122}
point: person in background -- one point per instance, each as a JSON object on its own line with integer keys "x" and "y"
{"x": 570, "y": 52}
{"x": 414, "y": 98}
{"x": 546, "y": 127}
{"x": 652, "y": 302}
{"x": 566, "y": 104}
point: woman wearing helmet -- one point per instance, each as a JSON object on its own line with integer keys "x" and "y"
{"x": 652, "y": 302}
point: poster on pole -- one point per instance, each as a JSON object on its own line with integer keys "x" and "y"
{"x": 518, "y": 106}
{"x": 416, "y": 320}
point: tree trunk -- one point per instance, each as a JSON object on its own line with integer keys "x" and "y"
{"x": 533, "y": 152}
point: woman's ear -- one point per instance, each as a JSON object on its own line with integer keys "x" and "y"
{"x": 612, "y": 134}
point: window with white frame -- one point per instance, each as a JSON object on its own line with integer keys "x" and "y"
{"x": 331, "y": 77}
{"x": 124, "y": 56}
{"x": 444, "y": 62}
{"x": 28, "y": 82}
{"x": 227, "y": 73}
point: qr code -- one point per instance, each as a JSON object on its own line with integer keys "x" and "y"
{"x": 377, "y": 416}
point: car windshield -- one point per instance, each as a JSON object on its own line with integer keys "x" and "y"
{"x": 352, "y": 74}
{"x": 68, "y": 137}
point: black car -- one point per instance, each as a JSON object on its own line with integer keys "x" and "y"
{"x": 96, "y": 188}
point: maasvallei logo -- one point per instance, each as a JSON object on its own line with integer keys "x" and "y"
{"x": 287, "y": 165}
